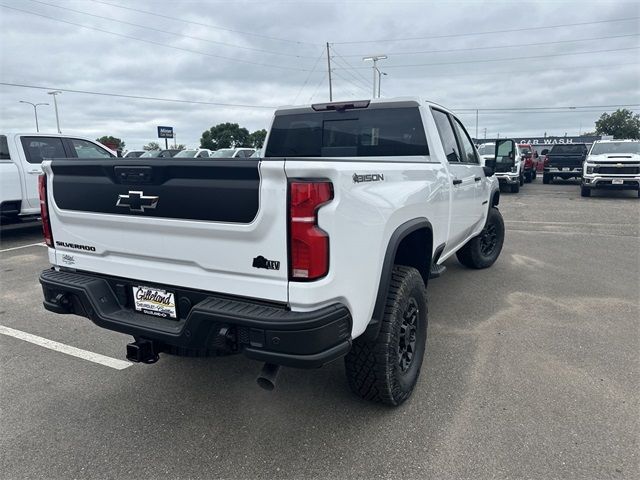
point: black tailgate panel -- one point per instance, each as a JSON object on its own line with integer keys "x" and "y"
{"x": 221, "y": 190}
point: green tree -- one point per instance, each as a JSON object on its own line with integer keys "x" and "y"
{"x": 111, "y": 142}
{"x": 256, "y": 139}
{"x": 151, "y": 146}
{"x": 179, "y": 146}
{"x": 621, "y": 124}
{"x": 224, "y": 135}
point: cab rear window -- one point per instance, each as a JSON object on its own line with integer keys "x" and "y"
{"x": 350, "y": 133}
{"x": 4, "y": 148}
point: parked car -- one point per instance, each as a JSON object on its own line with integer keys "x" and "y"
{"x": 21, "y": 155}
{"x": 510, "y": 170}
{"x": 160, "y": 153}
{"x": 234, "y": 153}
{"x": 197, "y": 153}
{"x": 133, "y": 153}
{"x": 320, "y": 250}
{"x": 530, "y": 161}
{"x": 612, "y": 164}
{"x": 565, "y": 161}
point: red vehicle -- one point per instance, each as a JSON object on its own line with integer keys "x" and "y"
{"x": 530, "y": 156}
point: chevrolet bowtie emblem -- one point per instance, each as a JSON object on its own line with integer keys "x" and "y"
{"x": 137, "y": 201}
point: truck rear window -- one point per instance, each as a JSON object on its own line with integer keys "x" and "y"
{"x": 351, "y": 133}
{"x": 577, "y": 148}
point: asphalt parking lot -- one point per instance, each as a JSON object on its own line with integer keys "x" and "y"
{"x": 532, "y": 371}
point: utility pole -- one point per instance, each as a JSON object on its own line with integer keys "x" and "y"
{"x": 374, "y": 59}
{"x": 485, "y": 133}
{"x": 55, "y": 105}
{"x": 35, "y": 111}
{"x": 329, "y": 71}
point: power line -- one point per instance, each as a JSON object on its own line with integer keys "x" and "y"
{"x": 351, "y": 82}
{"x": 504, "y": 59}
{"x": 529, "y": 111}
{"x": 137, "y": 97}
{"x": 357, "y": 79}
{"x": 510, "y": 30}
{"x": 152, "y": 42}
{"x": 309, "y": 76}
{"x": 500, "y": 46}
{"x": 520, "y": 108}
{"x": 215, "y": 27}
{"x": 366, "y": 80}
{"x": 318, "y": 87}
{"x": 159, "y": 30}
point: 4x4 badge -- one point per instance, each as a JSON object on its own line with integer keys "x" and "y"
{"x": 137, "y": 201}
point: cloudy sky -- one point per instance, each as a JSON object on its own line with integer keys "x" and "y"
{"x": 233, "y": 61}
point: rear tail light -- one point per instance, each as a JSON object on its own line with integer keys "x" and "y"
{"x": 44, "y": 210}
{"x": 546, "y": 160}
{"x": 308, "y": 243}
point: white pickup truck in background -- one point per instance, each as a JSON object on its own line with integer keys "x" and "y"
{"x": 20, "y": 157}
{"x": 321, "y": 249}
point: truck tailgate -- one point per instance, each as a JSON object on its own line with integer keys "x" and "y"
{"x": 190, "y": 223}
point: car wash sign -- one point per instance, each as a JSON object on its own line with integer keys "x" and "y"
{"x": 556, "y": 140}
{"x": 165, "y": 132}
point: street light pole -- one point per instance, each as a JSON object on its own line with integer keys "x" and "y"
{"x": 55, "y": 106}
{"x": 374, "y": 59}
{"x": 35, "y": 111}
{"x": 380, "y": 73}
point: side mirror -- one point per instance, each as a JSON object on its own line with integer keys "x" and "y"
{"x": 505, "y": 148}
{"x": 489, "y": 167}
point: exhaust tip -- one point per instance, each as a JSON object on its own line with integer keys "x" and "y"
{"x": 268, "y": 376}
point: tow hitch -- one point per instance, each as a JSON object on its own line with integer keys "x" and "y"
{"x": 142, "y": 351}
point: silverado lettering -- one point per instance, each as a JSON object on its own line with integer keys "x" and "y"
{"x": 77, "y": 246}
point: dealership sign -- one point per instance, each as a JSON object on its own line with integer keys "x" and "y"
{"x": 165, "y": 132}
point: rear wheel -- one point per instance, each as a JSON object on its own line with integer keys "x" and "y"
{"x": 585, "y": 191}
{"x": 515, "y": 188}
{"x": 521, "y": 180}
{"x": 534, "y": 174}
{"x": 528, "y": 177}
{"x": 483, "y": 250}
{"x": 546, "y": 178}
{"x": 386, "y": 369}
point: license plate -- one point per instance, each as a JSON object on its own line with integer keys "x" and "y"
{"x": 154, "y": 301}
{"x": 617, "y": 181}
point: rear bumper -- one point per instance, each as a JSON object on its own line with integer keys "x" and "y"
{"x": 206, "y": 321}
{"x": 564, "y": 171}
{"x": 600, "y": 181}
{"x": 508, "y": 179}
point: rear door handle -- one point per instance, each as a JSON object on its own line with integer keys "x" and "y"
{"x": 477, "y": 179}
{"x": 457, "y": 182}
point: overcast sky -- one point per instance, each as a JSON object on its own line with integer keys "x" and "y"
{"x": 262, "y": 53}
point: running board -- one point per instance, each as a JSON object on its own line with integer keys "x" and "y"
{"x": 437, "y": 270}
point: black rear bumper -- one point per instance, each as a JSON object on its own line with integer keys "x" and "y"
{"x": 206, "y": 321}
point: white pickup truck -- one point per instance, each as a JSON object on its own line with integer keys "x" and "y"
{"x": 20, "y": 157}
{"x": 321, "y": 249}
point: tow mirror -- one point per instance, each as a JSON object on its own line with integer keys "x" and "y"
{"x": 489, "y": 167}
{"x": 505, "y": 151}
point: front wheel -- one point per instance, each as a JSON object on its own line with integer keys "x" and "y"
{"x": 585, "y": 191}
{"x": 386, "y": 369}
{"x": 546, "y": 178}
{"x": 515, "y": 188}
{"x": 533, "y": 175}
{"x": 521, "y": 180}
{"x": 483, "y": 250}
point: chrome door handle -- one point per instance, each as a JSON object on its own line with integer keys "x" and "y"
{"x": 477, "y": 179}
{"x": 457, "y": 182}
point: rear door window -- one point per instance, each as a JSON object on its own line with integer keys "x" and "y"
{"x": 352, "y": 133}
{"x": 37, "y": 149}
{"x": 447, "y": 136}
{"x": 85, "y": 149}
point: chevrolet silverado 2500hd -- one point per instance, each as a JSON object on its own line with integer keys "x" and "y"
{"x": 612, "y": 164}
{"x": 20, "y": 157}
{"x": 321, "y": 249}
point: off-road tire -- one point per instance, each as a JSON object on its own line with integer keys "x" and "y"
{"x": 546, "y": 178}
{"x": 377, "y": 370}
{"x": 476, "y": 252}
{"x": 534, "y": 175}
{"x": 515, "y": 188}
{"x": 585, "y": 191}
{"x": 528, "y": 177}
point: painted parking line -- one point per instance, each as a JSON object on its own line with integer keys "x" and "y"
{"x": 69, "y": 350}
{"x": 41, "y": 244}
